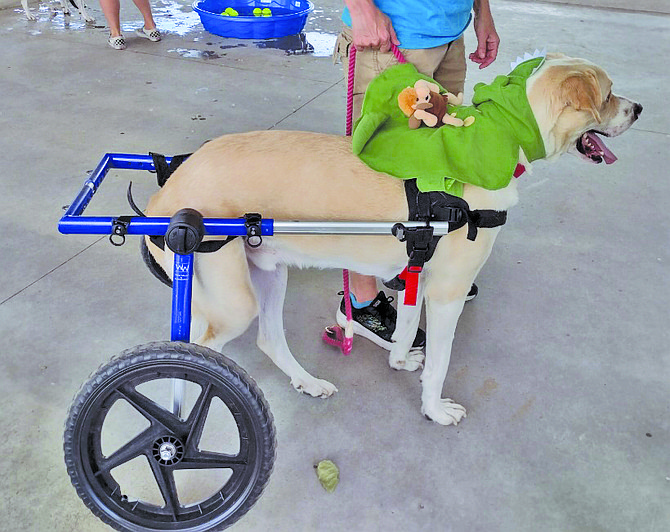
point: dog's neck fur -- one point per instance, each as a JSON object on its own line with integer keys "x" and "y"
{"x": 497, "y": 200}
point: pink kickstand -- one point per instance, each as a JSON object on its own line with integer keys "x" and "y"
{"x": 335, "y": 335}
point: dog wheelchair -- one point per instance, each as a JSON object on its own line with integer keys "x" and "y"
{"x": 171, "y": 432}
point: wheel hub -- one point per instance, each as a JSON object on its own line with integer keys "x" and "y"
{"x": 168, "y": 450}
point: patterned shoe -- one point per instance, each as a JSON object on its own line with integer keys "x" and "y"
{"x": 153, "y": 35}
{"x": 118, "y": 42}
{"x": 376, "y": 322}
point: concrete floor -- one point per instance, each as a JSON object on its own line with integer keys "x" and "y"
{"x": 563, "y": 360}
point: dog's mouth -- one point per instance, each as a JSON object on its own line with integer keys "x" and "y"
{"x": 592, "y": 147}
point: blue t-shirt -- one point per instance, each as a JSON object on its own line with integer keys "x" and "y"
{"x": 424, "y": 24}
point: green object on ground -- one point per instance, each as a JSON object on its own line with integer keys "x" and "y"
{"x": 328, "y": 474}
{"x": 484, "y": 154}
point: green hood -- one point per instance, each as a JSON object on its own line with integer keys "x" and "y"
{"x": 443, "y": 159}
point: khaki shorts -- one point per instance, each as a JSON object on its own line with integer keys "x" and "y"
{"x": 445, "y": 64}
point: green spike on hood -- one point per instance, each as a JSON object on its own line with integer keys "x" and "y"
{"x": 443, "y": 159}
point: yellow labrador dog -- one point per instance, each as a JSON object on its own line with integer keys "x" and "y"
{"x": 309, "y": 176}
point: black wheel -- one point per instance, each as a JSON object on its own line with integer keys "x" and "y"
{"x": 206, "y": 465}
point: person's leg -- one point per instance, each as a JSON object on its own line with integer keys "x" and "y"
{"x": 374, "y": 317}
{"x": 369, "y": 64}
{"x": 427, "y": 60}
{"x": 111, "y": 8}
{"x": 451, "y": 71}
{"x": 145, "y": 9}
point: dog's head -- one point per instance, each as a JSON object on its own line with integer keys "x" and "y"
{"x": 573, "y": 104}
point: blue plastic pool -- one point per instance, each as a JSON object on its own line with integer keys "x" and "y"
{"x": 288, "y": 18}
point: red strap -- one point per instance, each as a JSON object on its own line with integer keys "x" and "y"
{"x": 411, "y": 277}
{"x": 520, "y": 169}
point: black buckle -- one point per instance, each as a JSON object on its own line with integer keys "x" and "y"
{"x": 419, "y": 240}
{"x": 119, "y": 229}
{"x": 455, "y": 215}
{"x": 252, "y": 221}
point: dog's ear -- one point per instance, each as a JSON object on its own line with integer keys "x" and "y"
{"x": 581, "y": 91}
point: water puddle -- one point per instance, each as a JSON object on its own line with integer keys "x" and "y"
{"x": 311, "y": 42}
{"x": 56, "y": 19}
{"x": 173, "y": 17}
{"x": 196, "y": 54}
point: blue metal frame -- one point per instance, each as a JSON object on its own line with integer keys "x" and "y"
{"x": 73, "y": 222}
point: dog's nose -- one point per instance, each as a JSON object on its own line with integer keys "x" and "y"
{"x": 637, "y": 109}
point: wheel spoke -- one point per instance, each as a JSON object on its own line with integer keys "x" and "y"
{"x": 196, "y": 420}
{"x": 151, "y": 410}
{"x": 165, "y": 480}
{"x": 210, "y": 460}
{"x": 132, "y": 449}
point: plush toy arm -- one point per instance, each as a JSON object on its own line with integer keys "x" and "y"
{"x": 452, "y": 99}
{"x": 429, "y": 119}
{"x": 414, "y": 122}
{"x": 452, "y": 120}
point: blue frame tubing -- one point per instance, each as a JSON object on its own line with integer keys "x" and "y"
{"x": 73, "y": 222}
{"x": 182, "y": 291}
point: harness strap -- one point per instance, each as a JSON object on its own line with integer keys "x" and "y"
{"x": 440, "y": 206}
{"x": 208, "y": 246}
{"x": 165, "y": 170}
{"x": 421, "y": 243}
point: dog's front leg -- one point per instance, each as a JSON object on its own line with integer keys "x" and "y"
{"x": 403, "y": 355}
{"x": 441, "y": 319}
{"x": 65, "y": 6}
{"x": 82, "y": 10}
{"x": 26, "y": 10}
{"x": 270, "y": 288}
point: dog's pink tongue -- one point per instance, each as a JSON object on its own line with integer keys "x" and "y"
{"x": 607, "y": 155}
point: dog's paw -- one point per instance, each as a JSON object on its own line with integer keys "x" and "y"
{"x": 30, "y": 16}
{"x": 408, "y": 361}
{"x": 314, "y": 387}
{"x": 446, "y": 412}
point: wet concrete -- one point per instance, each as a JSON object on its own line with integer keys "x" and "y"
{"x": 562, "y": 361}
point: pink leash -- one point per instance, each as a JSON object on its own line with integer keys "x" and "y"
{"x": 334, "y": 335}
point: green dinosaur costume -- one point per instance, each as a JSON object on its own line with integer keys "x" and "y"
{"x": 442, "y": 159}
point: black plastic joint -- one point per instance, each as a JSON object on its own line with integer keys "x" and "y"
{"x": 185, "y": 232}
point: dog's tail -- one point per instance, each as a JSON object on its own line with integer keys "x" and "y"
{"x": 156, "y": 269}
{"x": 163, "y": 172}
